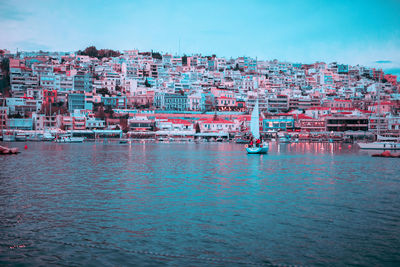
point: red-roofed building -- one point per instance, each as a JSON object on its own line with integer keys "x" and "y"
{"x": 391, "y": 79}
{"x": 174, "y": 125}
{"x": 219, "y": 125}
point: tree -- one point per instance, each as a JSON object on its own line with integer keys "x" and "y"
{"x": 184, "y": 60}
{"x": 156, "y": 55}
{"x": 5, "y": 82}
{"x": 147, "y": 84}
{"x": 197, "y": 127}
{"x": 109, "y": 110}
{"x": 91, "y": 51}
{"x": 215, "y": 118}
{"x": 103, "y": 91}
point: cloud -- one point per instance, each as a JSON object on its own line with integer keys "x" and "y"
{"x": 384, "y": 61}
{"x": 11, "y": 12}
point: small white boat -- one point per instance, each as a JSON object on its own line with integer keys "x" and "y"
{"x": 69, "y": 139}
{"x": 380, "y": 145}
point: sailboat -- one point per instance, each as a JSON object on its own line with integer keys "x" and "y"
{"x": 255, "y": 131}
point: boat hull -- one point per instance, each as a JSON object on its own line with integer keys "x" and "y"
{"x": 380, "y": 146}
{"x": 70, "y": 140}
{"x": 257, "y": 150}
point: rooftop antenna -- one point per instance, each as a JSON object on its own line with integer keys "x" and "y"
{"x": 179, "y": 47}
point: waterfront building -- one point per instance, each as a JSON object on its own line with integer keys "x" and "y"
{"x": 95, "y": 123}
{"x": 341, "y": 123}
{"x": 309, "y": 124}
{"x": 43, "y": 122}
{"x": 219, "y": 125}
{"x": 20, "y": 124}
{"x": 278, "y": 123}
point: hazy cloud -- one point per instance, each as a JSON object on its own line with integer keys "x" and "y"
{"x": 9, "y": 11}
{"x": 384, "y": 61}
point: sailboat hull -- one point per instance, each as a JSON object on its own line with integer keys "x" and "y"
{"x": 257, "y": 150}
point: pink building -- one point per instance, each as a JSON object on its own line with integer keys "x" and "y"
{"x": 385, "y": 107}
{"x": 216, "y": 92}
{"x": 339, "y": 103}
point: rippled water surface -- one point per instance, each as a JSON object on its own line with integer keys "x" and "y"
{"x": 198, "y": 204}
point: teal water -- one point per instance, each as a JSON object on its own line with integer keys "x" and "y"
{"x": 198, "y": 204}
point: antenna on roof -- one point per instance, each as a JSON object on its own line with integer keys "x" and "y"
{"x": 179, "y": 47}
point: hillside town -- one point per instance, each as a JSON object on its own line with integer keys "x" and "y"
{"x": 136, "y": 95}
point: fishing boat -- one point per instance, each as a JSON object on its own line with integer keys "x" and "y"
{"x": 255, "y": 131}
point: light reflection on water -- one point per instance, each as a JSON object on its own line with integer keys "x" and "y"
{"x": 304, "y": 203}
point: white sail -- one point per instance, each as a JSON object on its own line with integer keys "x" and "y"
{"x": 255, "y": 122}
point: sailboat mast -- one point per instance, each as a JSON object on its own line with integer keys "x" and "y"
{"x": 379, "y": 107}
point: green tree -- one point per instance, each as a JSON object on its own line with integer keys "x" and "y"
{"x": 91, "y": 51}
{"x": 103, "y": 91}
{"x": 156, "y": 55}
{"x": 147, "y": 84}
{"x": 184, "y": 60}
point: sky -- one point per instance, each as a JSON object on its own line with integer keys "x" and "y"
{"x": 351, "y": 32}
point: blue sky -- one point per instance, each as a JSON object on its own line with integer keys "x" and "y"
{"x": 353, "y": 32}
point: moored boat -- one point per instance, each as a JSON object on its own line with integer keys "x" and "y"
{"x": 380, "y": 145}
{"x": 69, "y": 139}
